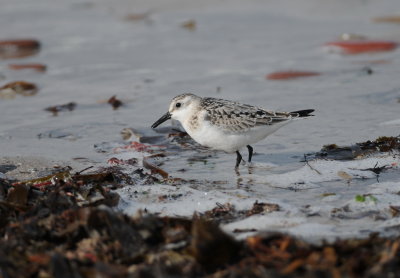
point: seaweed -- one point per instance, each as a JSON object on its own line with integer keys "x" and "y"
{"x": 358, "y": 150}
{"x": 10, "y": 90}
{"x": 48, "y": 232}
{"x": 59, "y": 108}
{"x": 114, "y": 102}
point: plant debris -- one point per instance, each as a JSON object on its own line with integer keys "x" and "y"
{"x": 134, "y": 134}
{"x": 65, "y": 224}
{"x": 134, "y": 17}
{"x": 381, "y": 144}
{"x": 225, "y": 213}
{"x": 35, "y": 67}
{"x": 291, "y": 74}
{"x": 259, "y": 208}
{"x": 10, "y": 90}
{"x": 352, "y": 37}
{"x": 149, "y": 164}
{"x": 114, "y": 102}
{"x": 347, "y": 177}
{"x": 116, "y": 161}
{"x": 139, "y": 147}
{"x": 10, "y": 49}
{"x": 53, "y": 233}
{"x": 388, "y": 19}
{"x": 365, "y": 197}
{"x": 360, "y": 46}
{"x": 395, "y": 210}
{"x": 59, "y": 108}
{"x": 190, "y": 25}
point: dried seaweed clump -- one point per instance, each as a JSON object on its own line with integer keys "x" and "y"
{"x": 64, "y": 225}
{"x": 382, "y": 144}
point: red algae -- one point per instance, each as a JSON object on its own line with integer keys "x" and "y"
{"x": 35, "y": 67}
{"x": 20, "y": 48}
{"x": 286, "y": 75}
{"x": 361, "y": 46}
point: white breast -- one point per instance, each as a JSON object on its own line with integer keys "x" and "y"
{"x": 213, "y": 137}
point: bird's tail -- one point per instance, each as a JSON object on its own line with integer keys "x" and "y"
{"x": 302, "y": 113}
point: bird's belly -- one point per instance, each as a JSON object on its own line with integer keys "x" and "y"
{"x": 218, "y": 139}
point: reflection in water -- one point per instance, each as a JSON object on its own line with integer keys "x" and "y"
{"x": 245, "y": 183}
{"x": 250, "y": 169}
{"x": 239, "y": 182}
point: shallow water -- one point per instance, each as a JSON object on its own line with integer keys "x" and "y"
{"x": 92, "y": 53}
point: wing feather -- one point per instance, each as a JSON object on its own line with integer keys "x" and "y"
{"x": 236, "y": 117}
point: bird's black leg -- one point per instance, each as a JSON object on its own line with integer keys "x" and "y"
{"x": 238, "y": 158}
{"x": 250, "y": 148}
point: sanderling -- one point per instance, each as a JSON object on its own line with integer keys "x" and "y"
{"x": 226, "y": 125}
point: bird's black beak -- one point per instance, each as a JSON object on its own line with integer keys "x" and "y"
{"x": 164, "y": 118}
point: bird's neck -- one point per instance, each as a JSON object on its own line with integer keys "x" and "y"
{"x": 192, "y": 121}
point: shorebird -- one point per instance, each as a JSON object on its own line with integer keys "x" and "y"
{"x": 226, "y": 125}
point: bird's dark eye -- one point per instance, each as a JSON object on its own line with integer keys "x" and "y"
{"x": 178, "y": 104}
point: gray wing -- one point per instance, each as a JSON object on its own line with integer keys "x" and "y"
{"x": 236, "y": 117}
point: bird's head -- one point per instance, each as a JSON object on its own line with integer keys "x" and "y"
{"x": 181, "y": 106}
